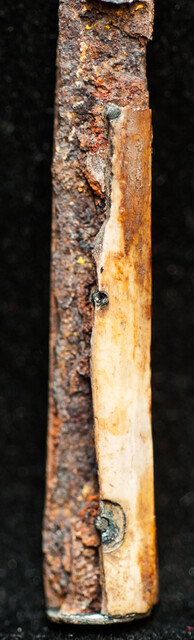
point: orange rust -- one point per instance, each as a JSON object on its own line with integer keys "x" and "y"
{"x": 133, "y": 190}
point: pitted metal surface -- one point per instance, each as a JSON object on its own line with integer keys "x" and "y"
{"x": 111, "y": 523}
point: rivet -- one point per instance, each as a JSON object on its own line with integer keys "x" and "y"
{"x": 112, "y": 111}
{"x": 99, "y": 298}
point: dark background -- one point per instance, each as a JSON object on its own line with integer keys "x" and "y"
{"x": 28, "y": 42}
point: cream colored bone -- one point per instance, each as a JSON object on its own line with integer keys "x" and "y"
{"x": 120, "y": 368}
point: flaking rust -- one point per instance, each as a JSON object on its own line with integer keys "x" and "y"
{"x": 101, "y": 97}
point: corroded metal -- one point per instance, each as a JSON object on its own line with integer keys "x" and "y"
{"x": 101, "y": 68}
{"x": 112, "y": 524}
{"x": 91, "y": 619}
{"x": 119, "y": 1}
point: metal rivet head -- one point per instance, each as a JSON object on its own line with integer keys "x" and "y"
{"x": 101, "y": 523}
{"x": 99, "y": 298}
{"x": 111, "y": 522}
{"x": 112, "y": 111}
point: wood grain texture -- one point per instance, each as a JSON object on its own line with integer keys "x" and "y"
{"x": 100, "y": 60}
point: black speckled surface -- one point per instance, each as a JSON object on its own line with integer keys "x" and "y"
{"x": 28, "y": 43}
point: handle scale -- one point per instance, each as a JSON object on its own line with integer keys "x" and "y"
{"x": 120, "y": 368}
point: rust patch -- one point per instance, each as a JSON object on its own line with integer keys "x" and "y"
{"x": 135, "y": 179}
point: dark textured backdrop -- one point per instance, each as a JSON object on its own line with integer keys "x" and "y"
{"x": 28, "y": 43}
